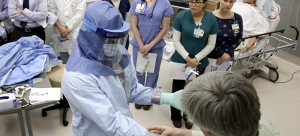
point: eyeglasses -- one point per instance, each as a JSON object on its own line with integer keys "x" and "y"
{"x": 195, "y": 2}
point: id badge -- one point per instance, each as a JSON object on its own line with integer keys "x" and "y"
{"x": 139, "y": 8}
{"x": 235, "y": 28}
{"x": 198, "y": 32}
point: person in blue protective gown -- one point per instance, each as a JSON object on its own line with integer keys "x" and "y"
{"x": 99, "y": 80}
{"x": 150, "y": 20}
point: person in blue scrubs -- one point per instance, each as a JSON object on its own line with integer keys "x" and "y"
{"x": 150, "y": 22}
{"x": 99, "y": 80}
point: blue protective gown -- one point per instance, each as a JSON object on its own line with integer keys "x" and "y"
{"x": 99, "y": 96}
{"x": 100, "y": 104}
{"x": 23, "y": 59}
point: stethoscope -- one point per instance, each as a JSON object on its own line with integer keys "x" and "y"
{"x": 151, "y": 14}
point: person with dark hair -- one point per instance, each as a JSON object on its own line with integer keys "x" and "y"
{"x": 194, "y": 37}
{"x": 221, "y": 104}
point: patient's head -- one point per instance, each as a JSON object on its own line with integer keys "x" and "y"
{"x": 222, "y": 104}
{"x": 250, "y": 1}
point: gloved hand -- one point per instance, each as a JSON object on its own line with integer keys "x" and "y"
{"x": 172, "y": 99}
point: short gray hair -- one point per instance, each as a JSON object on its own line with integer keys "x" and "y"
{"x": 223, "y": 103}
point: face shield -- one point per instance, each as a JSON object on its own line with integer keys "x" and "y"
{"x": 114, "y": 41}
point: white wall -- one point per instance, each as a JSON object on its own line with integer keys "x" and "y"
{"x": 288, "y": 15}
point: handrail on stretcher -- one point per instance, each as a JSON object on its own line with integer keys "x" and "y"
{"x": 258, "y": 35}
{"x": 292, "y": 44}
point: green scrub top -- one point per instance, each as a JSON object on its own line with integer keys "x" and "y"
{"x": 185, "y": 24}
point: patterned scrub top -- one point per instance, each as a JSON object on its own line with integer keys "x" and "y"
{"x": 228, "y": 38}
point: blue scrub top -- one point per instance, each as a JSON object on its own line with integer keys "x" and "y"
{"x": 150, "y": 27}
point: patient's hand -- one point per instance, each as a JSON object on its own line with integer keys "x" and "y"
{"x": 249, "y": 45}
{"x": 245, "y": 49}
{"x": 170, "y": 131}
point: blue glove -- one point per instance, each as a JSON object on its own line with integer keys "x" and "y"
{"x": 172, "y": 99}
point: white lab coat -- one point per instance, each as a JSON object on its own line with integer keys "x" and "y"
{"x": 70, "y": 13}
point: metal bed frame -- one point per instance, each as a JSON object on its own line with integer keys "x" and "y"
{"x": 253, "y": 63}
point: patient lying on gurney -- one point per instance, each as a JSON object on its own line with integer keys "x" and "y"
{"x": 255, "y": 21}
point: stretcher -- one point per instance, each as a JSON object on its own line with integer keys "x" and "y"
{"x": 261, "y": 56}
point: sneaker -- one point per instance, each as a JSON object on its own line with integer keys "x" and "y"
{"x": 188, "y": 124}
{"x": 137, "y": 106}
{"x": 177, "y": 123}
{"x": 146, "y": 107}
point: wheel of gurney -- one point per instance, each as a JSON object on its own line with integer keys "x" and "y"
{"x": 65, "y": 123}
{"x": 44, "y": 114}
{"x": 273, "y": 75}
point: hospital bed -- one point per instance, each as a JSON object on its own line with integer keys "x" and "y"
{"x": 260, "y": 55}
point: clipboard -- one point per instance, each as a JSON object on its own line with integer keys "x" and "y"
{"x": 212, "y": 66}
{"x": 146, "y": 64}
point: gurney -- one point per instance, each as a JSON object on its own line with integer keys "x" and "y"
{"x": 250, "y": 64}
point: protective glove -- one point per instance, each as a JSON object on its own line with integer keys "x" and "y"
{"x": 172, "y": 99}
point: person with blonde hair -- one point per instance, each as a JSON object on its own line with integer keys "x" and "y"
{"x": 230, "y": 32}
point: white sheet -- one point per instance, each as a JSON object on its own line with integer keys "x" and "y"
{"x": 254, "y": 20}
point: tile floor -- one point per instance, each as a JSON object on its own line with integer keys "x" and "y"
{"x": 279, "y": 104}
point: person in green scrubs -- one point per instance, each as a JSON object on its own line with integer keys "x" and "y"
{"x": 194, "y": 37}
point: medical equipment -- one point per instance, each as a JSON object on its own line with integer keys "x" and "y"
{"x": 254, "y": 61}
{"x": 151, "y": 14}
{"x": 22, "y": 102}
{"x": 19, "y": 92}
